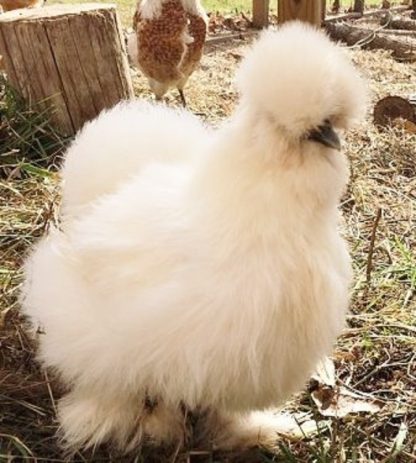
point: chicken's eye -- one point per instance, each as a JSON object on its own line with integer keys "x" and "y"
{"x": 325, "y": 135}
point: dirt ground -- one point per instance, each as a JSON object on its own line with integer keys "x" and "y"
{"x": 375, "y": 358}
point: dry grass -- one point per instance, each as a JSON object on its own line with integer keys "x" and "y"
{"x": 375, "y": 356}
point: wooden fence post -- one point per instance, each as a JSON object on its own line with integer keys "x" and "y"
{"x": 304, "y": 10}
{"x": 358, "y": 6}
{"x": 70, "y": 57}
{"x": 260, "y": 13}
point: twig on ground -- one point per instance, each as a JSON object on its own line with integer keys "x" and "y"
{"x": 372, "y": 243}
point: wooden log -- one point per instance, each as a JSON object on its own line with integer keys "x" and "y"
{"x": 398, "y": 32}
{"x": 392, "y": 107}
{"x": 366, "y": 38}
{"x": 398, "y": 23}
{"x": 304, "y": 10}
{"x": 68, "y": 57}
{"x": 367, "y": 14}
{"x": 260, "y": 13}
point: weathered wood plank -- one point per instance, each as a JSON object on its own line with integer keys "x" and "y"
{"x": 5, "y": 60}
{"x": 304, "y": 10}
{"x": 52, "y": 85}
{"x": 13, "y": 54}
{"x": 79, "y": 101}
{"x": 260, "y": 13}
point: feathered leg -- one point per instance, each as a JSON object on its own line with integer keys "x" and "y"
{"x": 182, "y": 95}
{"x": 158, "y": 88}
{"x": 236, "y": 431}
{"x": 90, "y": 418}
{"x": 164, "y": 425}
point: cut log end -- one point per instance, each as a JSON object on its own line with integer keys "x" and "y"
{"x": 393, "y": 107}
{"x": 55, "y": 11}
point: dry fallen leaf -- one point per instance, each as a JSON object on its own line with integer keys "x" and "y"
{"x": 340, "y": 402}
{"x": 400, "y": 439}
{"x": 337, "y": 401}
{"x": 325, "y": 372}
{"x": 409, "y": 126}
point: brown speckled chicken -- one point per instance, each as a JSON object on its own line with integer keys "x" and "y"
{"x": 168, "y": 42}
{"x": 8, "y": 5}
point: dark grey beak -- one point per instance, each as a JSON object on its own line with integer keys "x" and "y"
{"x": 326, "y": 135}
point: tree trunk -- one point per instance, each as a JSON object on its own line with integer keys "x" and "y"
{"x": 69, "y": 57}
{"x": 260, "y": 13}
{"x": 358, "y": 6}
{"x": 367, "y": 38}
{"x": 304, "y": 10}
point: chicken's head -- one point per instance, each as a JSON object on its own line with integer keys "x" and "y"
{"x": 303, "y": 84}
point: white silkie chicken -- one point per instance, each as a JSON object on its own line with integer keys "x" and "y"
{"x": 200, "y": 270}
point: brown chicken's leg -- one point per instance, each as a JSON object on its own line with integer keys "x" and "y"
{"x": 182, "y": 95}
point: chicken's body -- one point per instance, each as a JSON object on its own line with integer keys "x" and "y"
{"x": 211, "y": 277}
{"x": 8, "y": 5}
{"x": 168, "y": 42}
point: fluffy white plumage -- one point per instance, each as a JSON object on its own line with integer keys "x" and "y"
{"x": 196, "y": 268}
